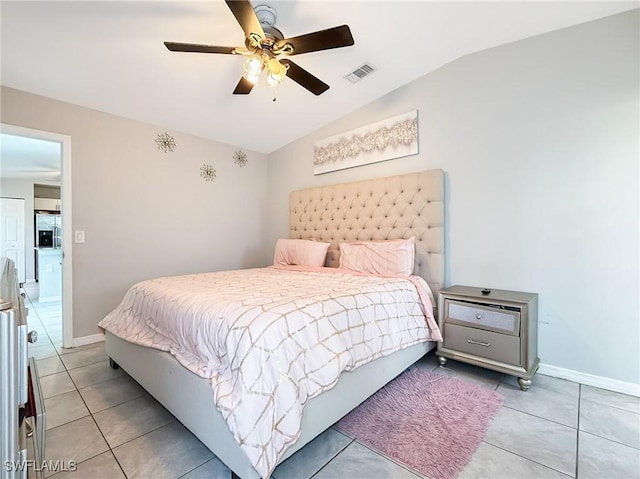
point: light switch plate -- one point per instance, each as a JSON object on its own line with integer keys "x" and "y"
{"x": 79, "y": 236}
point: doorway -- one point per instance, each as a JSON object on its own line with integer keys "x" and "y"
{"x": 63, "y": 145}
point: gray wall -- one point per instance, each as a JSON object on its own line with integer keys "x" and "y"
{"x": 146, "y": 213}
{"x": 539, "y": 142}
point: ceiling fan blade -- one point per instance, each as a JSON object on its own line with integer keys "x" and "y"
{"x": 192, "y": 47}
{"x": 305, "y": 79}
{"x": 335, "y": 37}
{"x": 243, "y": 11}
{"x": 243, "y": 87}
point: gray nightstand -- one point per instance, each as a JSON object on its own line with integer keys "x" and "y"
{"x": 497, "y": 330}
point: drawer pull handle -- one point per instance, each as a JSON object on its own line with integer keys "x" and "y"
{"x": 478, "y": 316}
{"x": 479, "y": 343}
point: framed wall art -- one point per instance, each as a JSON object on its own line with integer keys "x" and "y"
{"x": 384, "y": 140}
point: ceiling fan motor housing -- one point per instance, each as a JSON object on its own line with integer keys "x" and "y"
{"x": 266, "y": 15}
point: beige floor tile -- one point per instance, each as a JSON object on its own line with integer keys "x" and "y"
{"x": 53, "y": 330}
{"x": 360, "y": 462}
{"x": 64, "y": 408}
{"x": 94, "y": 374}
{"x": 132, "y": 419}
{"x": 539, "y": 440}
{"x": 610, "y": 398}
{"x": 553, "y": 399}
{"x": 166, "y": 453}
{"x": 55, "y": 384}
{"x": 49, "y": 366}
{"x": 111, "y": 393}
{"x": 490, "y": 462}
{"x": 83, "y": 357}
{"x": 44, "y": 349}
{"x": 610, "y": 422}
{"x": 75, "y": 441}
{"x": 600, "y": 458}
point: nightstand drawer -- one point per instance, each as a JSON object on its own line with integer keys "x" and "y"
{"x": 485, "y": 344}
{"x": 505, "y": 321}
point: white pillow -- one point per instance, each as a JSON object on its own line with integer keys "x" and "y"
{"x": 300, "y": 252}
{"x": 379, "y": 257}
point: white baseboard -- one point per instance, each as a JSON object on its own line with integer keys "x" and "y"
{"x": 590, "y": 380}
{"x": 84, "y": 340}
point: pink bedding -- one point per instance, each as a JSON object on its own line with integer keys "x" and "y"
{"x": 270, "y": 339}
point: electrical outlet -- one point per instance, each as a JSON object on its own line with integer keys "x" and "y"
{"x": 79, "y": 236}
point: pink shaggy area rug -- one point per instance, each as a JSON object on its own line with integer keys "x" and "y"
{"x": 430, "y": 422}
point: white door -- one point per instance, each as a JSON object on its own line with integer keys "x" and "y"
{"x": 12, "y": 229}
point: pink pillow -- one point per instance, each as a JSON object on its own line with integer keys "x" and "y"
{"x": 300, "y": 252}
{"x": 379, "y": 257}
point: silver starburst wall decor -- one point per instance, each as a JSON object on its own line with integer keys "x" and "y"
{"x": 165, "y": 142}
{"x": 208, "y": 172}
{"x": 240, "y": 158}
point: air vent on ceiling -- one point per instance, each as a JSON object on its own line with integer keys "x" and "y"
{"x": 360, "y": 72}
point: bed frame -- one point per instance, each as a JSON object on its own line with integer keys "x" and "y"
{"x": 385, "y": 208}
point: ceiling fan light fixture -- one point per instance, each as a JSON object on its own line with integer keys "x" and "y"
{"x": 264, "y": 44}
{"x": 273, "y": 81}
{"x": 253, "y": 67}
{"x": 276, "y": 72}
{"x": 252, "y": 78}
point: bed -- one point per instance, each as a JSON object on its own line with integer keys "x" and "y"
{"x": 397, "y": 207}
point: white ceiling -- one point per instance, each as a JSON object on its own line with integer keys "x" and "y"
{"x": 22, "y": 157}
{"x": 109, "y": 56}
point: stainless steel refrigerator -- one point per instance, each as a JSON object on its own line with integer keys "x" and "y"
{"x": 48, "y": 230}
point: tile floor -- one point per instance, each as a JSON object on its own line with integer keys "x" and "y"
{"x": 102, "y": 419}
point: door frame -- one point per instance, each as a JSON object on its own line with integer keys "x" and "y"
{"x": 65, "y": 207}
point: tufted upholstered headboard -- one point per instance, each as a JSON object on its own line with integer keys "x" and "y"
{"x": 384, "y": 208}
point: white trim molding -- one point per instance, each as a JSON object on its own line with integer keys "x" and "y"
{"x": 84, "y": 340}
{"x": 590, "y": 380}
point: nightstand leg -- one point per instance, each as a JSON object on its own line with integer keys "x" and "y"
{"x": 442, "y": 360}
{"x": 525, "y": 384}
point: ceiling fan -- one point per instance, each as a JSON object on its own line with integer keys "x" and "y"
{"x": 267, "y": 49}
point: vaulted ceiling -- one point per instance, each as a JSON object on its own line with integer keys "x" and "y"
{"x": 110, "y": 56}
